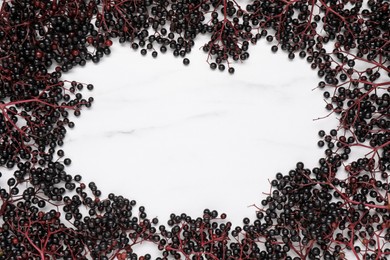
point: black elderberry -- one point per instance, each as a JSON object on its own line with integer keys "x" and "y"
{"x": 186, "y": 61}
{"x": 90, "y": 87}
{"x": 67, "y": 161}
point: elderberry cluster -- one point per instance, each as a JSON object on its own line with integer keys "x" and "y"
{"x": 336, "y": 210}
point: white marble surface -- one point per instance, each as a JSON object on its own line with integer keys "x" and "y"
{"x": 183, "y": 138}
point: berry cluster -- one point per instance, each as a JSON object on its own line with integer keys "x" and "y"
{"x": 337, "y": 210}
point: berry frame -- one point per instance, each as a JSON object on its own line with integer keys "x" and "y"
{"x": 338, "y": 207}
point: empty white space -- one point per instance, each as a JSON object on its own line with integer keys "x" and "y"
{"x": 183, "y": 138}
